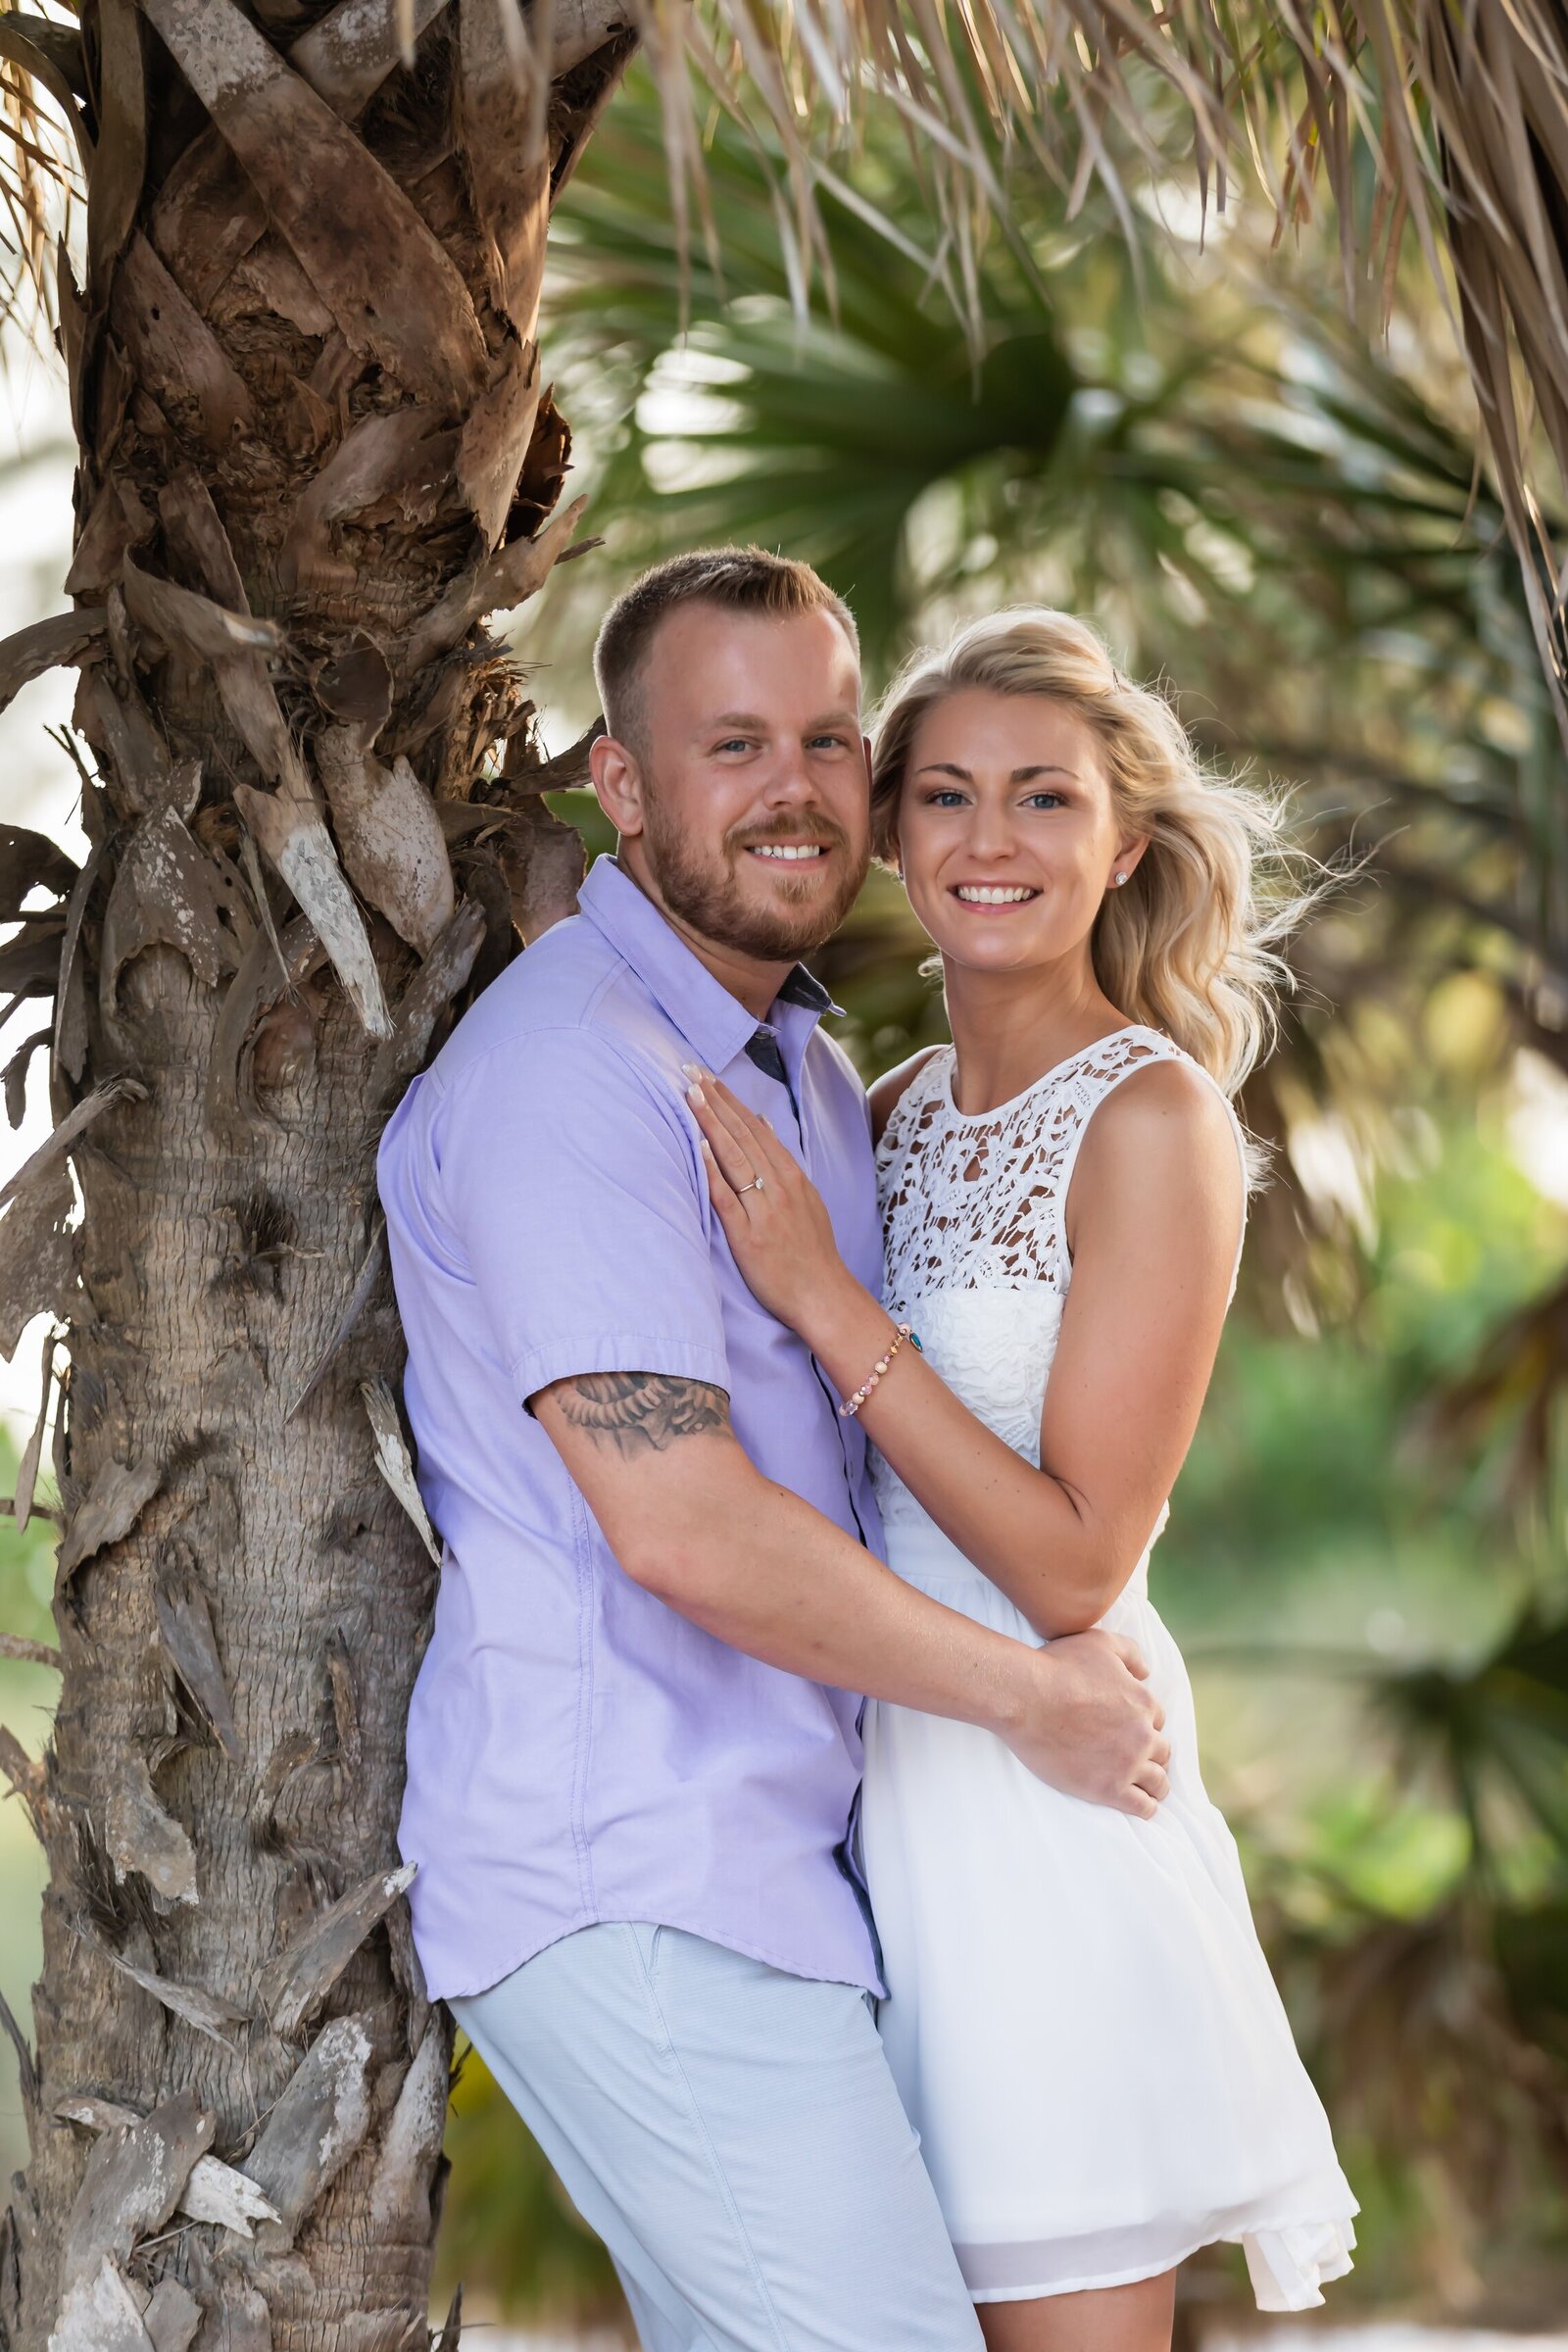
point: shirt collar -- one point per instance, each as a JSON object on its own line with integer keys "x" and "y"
{"x": 804, "y": 988}
{"x": 715, "y": 1023}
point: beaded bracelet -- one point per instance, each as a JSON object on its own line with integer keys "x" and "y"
{"x": 851, "y": 1404}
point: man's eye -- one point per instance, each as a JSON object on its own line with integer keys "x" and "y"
{"x": 834, "y": 742}
{"x": 733, "y": 743}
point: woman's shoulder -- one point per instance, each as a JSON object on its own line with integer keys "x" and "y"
{"x": 890, "y": 1089}
{"x": 1164, "y": 1102}
{"x": 1161, "y": 1148}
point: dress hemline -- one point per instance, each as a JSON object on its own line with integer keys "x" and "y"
{"x": 1336, "y": 2263}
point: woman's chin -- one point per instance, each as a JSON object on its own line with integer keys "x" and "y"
{"x": 983, "y": 947}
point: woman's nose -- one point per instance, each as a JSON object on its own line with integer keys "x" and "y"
{"x": 990, "y": 832}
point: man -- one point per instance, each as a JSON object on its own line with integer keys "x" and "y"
{"x": 633, "y": 1751}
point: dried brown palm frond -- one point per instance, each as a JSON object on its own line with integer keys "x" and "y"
{"x": 43, "y": 143}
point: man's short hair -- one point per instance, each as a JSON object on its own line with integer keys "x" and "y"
{"x": 733, "y": 579}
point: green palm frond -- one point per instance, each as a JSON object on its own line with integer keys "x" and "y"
{"x": 1439, "y": 126}
{"x": 1492, "y": 1736}
{"x": 847, "y": 415}
{"x": 1236, "y": 486}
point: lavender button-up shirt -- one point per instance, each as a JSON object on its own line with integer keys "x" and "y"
{"x": 576, "y": 1751}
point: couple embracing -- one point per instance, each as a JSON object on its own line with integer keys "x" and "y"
{"x": 803, "y": 1788}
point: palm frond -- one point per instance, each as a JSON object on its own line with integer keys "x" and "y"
{"x": 1516, "y": 1382}
{"x": 1493, "y": 1735}
{"x": 45, "y": 142}
{"x": 1425, "y": 123}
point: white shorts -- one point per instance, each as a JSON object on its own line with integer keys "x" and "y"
{"x": 733, "y": 2134}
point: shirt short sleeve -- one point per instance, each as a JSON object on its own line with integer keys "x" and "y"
{"x": 573, "y": 1190}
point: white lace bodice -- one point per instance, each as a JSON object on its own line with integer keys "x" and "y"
{"x": 973, "y": 1225}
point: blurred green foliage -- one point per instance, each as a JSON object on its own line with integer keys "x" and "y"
{"x": 510, "y": 2235}
{"x": 28, "y": 1695}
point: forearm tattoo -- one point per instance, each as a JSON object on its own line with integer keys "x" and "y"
{"x": 634, "y": 1411}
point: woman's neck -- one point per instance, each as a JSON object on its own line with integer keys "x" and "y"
{"x": 1010, "y": 1028}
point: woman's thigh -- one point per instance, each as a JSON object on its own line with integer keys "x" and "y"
{"x": 1110, "y": 2319}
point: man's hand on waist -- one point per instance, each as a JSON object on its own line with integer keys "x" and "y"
{"x": 1081, "y": 1715}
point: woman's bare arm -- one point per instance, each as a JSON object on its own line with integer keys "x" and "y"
{"x": 1154, "y": 1218}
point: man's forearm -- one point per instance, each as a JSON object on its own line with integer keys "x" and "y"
{"x": 779, "y": 1581}
{"x": 690, "y": 1518}
{"x": 798, "y": 1592}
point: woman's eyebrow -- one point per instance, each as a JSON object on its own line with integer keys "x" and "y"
{"x": 1019, "y": 776}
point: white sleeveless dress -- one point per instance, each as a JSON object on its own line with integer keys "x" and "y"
{"x": 1080, "y": 2019}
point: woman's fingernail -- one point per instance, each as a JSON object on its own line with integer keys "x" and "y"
{"x": 689, "y": 1069}
{"x": 694, "y": 1094}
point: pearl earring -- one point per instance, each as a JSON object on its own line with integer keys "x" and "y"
{"x": 1120, "y": 879}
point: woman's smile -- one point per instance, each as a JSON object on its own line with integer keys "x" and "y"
{"x": 992, "y": 897}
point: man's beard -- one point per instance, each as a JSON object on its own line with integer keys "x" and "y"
{"x": 707, "y": 894}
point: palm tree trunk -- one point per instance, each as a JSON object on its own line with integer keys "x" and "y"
{"x": 314, "y": 450}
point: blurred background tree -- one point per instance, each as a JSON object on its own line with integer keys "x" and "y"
{"x": 1284, "y": 521}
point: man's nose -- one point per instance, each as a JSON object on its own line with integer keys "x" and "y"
{"x": 789, "y": 779}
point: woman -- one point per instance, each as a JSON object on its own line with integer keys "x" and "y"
{"x": 1081, "y": 2020}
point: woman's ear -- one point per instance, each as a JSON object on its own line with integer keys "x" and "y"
{"x": 617, "y": 782}
{"x": 1128, "y": 853}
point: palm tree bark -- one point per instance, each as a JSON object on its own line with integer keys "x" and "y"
{"x": 315, "y": 452}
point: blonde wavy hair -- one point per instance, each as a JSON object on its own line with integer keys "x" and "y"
{"x": 1189, "y": 946}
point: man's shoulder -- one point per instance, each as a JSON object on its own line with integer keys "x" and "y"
{"x": 570, "y": 994}
{"x": 839, "y": 1073}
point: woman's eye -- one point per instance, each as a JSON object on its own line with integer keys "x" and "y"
{"x": 944, "y": 798}
{"x": 1040, "y": 799}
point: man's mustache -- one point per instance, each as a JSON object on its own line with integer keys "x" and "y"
{"x": 818, "y": 828}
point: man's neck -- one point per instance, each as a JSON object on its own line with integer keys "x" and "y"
{"x": 752, "y": 983}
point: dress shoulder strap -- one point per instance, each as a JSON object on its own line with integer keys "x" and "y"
{"x": 914, "y": 1105}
